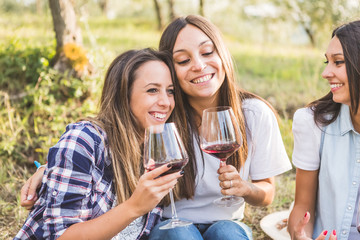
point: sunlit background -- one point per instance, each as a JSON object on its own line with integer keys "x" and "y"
{"x": 277, "y": 45}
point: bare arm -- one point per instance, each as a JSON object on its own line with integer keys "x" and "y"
{"x": 305, "y": 201}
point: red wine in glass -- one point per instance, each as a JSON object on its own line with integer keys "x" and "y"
{"x": 222, "y": 151}
{"x": 163, "y": 145}
{"x": 220, "y": 137}
{"x": 176, "y": 166}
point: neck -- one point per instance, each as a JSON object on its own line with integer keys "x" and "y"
{"x": 200, "y": 104}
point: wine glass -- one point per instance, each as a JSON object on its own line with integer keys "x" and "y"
{"x": 163, "y": 145}
{"x": 220, "y": 137}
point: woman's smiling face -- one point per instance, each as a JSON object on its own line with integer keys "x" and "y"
{"x": 198, "y": 66}
{"x": 152, "y": 94}
{"x": 335, "y": 72}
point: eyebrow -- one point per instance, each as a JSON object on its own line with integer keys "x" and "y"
{"x": 202, "y": 43}
{"x": 157, "y": 85}
{"x": 335, "y": 54}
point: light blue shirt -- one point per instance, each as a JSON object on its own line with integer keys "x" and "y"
{"x": 336, "y": 151}
{"x": 339, "y": 178}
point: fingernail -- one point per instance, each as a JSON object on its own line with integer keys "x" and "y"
{"x": 334, "y": 232}
{"x": 29, "y": 197}
{"x": 305, "y": 215}
{"x": 169, "y": 165}
{"x": 325, "y": 232}
{"x": 182, "y": 172}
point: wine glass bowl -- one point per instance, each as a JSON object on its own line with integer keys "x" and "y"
{"x": 220, "y": 137}
{"x": 163, "y": 145}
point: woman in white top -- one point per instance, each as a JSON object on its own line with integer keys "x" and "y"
{"x": 205, "y": 72}
{"x": 327, "y": 147}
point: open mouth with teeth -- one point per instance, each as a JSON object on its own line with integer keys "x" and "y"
{"x": 336, "y": 86}
{"x": 158, "y": 116}
{"x": 202, "y": 79}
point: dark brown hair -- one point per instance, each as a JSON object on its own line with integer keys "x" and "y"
{"x": 325, "y": 109}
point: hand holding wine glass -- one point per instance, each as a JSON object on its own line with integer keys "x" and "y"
{"x": 220, "y": 136}
{"x": 162, "y": 146}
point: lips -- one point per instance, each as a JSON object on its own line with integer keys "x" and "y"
{"x": 335, "y": 86}
{"x": 202, "y": 79}
{"x": 158, "y": 115}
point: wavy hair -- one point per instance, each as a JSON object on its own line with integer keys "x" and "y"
{"x": 116, "y": 119}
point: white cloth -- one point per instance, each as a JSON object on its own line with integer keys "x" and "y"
{"x": 266, "y": 158}
{"x": 132, "y": 230}
{"x": 307, "y": 136}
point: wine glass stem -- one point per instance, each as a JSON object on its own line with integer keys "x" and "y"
{"x": 173, "y": 209}
{"x": 222, "y": 160}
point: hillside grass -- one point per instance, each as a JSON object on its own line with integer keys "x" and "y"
{"x": 287, "y": 76}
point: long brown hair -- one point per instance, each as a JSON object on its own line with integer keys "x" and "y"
{"x": 116, "y": 119}
{"x": 231, "y": 94}
{"x": 325, "y": 109}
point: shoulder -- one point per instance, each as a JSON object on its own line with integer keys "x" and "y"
{"x": 255, "y": 106}
{"x": 303, "y": 120}
{"x": 258, "y": 113}
{"x": 84, "y": 131}
{"x": 81, "y": 140}
{"x": 304, "y": 114}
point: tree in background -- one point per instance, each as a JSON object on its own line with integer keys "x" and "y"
{"x": 314, "y": 15}
{"x": 104, "y": 6}
{"x": 70, "y": 54}
{"x": 158, "y": 14}
{"x": 201, "y": 7}
{"x": 172, "y": 14}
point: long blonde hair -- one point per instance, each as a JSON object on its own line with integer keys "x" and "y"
{"x": 124, "y": 140}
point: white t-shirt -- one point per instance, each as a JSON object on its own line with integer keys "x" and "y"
{"x": 266, "y": 158}
{"x": 307, "y": 136}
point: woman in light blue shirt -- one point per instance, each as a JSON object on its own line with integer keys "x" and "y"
{"x": 327, "y": 147}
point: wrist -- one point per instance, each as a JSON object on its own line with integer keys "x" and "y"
{"x": 249, "y": 189}
{"x": 41, "y": 166}
{"x": 135, "y": 210}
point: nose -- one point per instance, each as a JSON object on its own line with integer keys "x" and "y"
{"x": 164, "y": 99}
{"x": 198, "y": 64}
{"x": 327, "y": 73}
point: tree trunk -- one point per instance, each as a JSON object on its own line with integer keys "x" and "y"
{"x": 158, "y": 14}
{"x": 104, "y": 4}
{"x": 311, "y": 36}
{"x": 66, "y": 31}
{"x": 171, "y": 10}
{"x": 39, "y": 7}
{"x": 201, "y": 7}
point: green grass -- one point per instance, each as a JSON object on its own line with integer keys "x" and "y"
{"x": 288, "y": 77}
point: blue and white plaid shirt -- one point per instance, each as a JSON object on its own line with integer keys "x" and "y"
{"x": 77, "y": 185}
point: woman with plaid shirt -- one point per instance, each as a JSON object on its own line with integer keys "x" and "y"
{"x": 94, "y": 185}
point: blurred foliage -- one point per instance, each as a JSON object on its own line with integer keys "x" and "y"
{"x": 21, "y": 66}
{"x": 36, "y": 102}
